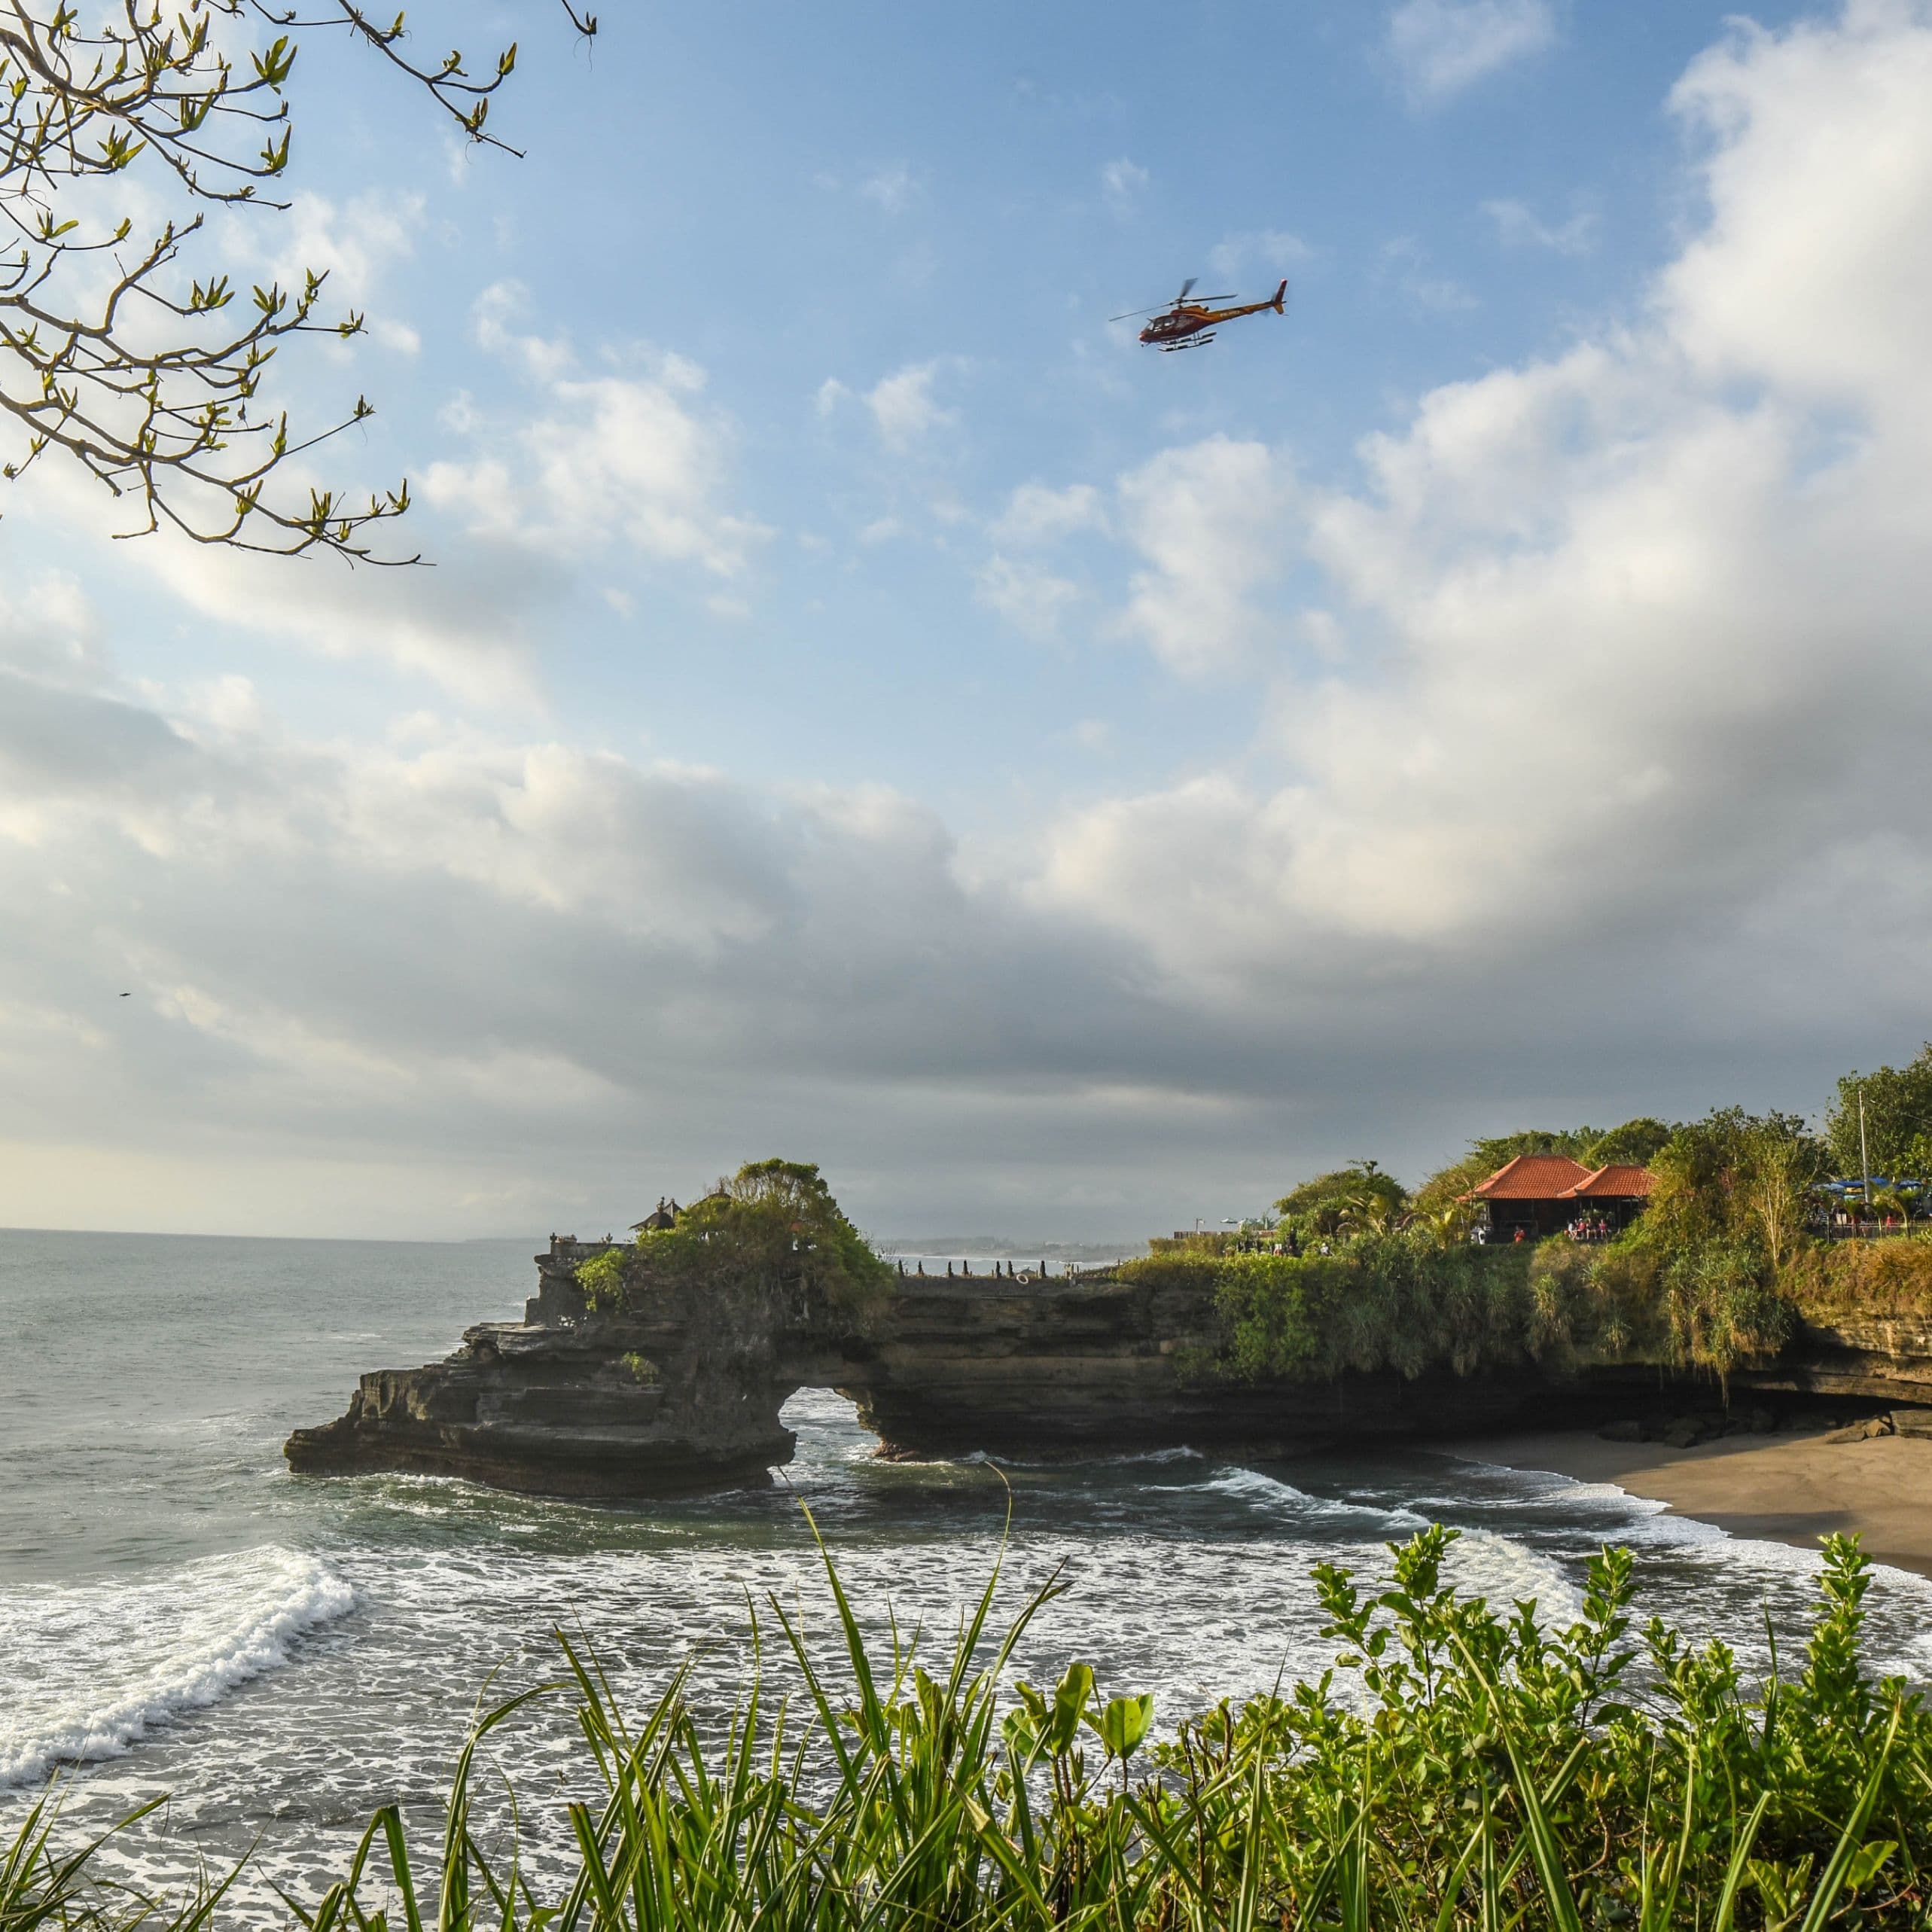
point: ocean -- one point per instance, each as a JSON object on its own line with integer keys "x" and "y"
{"x": 179, "y": 1615}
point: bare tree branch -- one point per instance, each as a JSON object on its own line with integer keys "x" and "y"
{"x": 147, "y": 385}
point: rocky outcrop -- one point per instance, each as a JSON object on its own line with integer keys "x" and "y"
{"x": 675, "y": 1398}
{"x": 683, "y": 1393}
{"x": 1870, "y": 1361}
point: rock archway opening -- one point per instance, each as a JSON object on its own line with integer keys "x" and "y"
{"x": 829, "y": 1431}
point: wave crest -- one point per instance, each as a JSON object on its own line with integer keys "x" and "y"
{"x": 98, "y": 1663}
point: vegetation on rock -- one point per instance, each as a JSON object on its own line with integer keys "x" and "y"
{"x": 1353, "y": 1197}
{"x": 773, "y": 1227}
{"x": 1715, "y": 1273}
{"x": 1875, "y": 1281}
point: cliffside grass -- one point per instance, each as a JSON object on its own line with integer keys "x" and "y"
{"x": 1385, "y": 1301}
{"x": 1702, "y": 1297}
{"x": 1457, "y": 1771}
{"x": 1873, "y": 1281}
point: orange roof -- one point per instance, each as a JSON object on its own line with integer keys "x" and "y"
{"x": 1615, "y": 1183}
{"x": 1531, "y": 1177}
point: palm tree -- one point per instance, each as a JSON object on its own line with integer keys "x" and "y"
{"x": 1373, "y": 1212}
{"x": 1894, "y": 1200}
{"x": 1449, "y": 1225}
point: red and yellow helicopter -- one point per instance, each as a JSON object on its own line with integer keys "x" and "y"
{"x": 1186, "y": 324}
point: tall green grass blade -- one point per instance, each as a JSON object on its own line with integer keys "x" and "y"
{"x": 1739, "y": 1865}
{"x": 1831, "y": 1880}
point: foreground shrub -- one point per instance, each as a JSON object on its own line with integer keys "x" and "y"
{"x": 1484, "y": 1772}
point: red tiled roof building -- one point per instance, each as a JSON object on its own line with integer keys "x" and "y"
{"x": 1542, "y": 1193}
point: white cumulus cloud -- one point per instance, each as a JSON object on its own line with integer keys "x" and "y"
{"x": 904, "y": 408}
{"x": 1610, "y": 621}
{"x": 1213, "y": 525}
{"x": 628, "y": 459}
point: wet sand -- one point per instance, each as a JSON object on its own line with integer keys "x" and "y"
{"x": 1791, "y": 1489}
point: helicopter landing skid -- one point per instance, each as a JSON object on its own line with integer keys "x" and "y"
{"x": 1193, "y": 342}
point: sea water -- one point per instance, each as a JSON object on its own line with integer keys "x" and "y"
{"x": 283, "y": 1655}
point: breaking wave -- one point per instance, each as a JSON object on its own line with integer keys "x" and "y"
{"x": 92, "y": 1666}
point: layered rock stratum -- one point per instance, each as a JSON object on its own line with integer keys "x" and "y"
{"x": 682, "y": 1393}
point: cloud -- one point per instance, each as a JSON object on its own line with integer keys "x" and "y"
{"x": 566, "y": 466}
{"x": 1032, "y": 599}
{"x": 627, "y": 460}
{"x": 1813, "y": 273}
{"x": 1213, "y": 523}
{"x": 1407, "y": 261}
{"x": 893, "y": 188}
{"x": 1036, "y": 514}
{"x": 1124, "y": 182}
{"x": 1273, "y": 250}
{"x": 1579, "y": 773}
{"x": 471, "y": 625}
{"x": 1518, "y": 225}
{"x": 1607, "y": 618}
{"x": 355, "y": 243}
{"x": 479, "y": 960}
{"x": 1441, "y": 47}
{"x": 904, "y": 408}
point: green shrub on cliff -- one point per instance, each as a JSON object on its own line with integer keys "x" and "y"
{"x": 1484, "y": 1771}
{"x": 1407, "y": 1301}
{"x": 1359, "y": 1195}
{"x": 1279, "y": 1311}
{"x": 1398, "y": 1300}
{"x": 773, "y": 1228}
{"x": 1877, "y": 1280}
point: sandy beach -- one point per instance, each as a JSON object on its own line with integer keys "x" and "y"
{"x": 1791, "y": 1489}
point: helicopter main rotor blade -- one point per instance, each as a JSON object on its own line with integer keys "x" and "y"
{"x": 1134, "y": 315}
{"x": 1185, "y": 286}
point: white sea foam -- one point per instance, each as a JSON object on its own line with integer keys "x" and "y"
{"x": 986, "y": 1457}
{"x": 91, "y": 1667}
{"x": 1481, "y": 1562}
{"x": 1271, "y": 1494}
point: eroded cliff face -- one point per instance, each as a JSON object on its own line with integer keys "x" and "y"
{"x": 1874, "y": 1361}
{"x": 673, "y": 1398}
{"x": 683, "y": 1394}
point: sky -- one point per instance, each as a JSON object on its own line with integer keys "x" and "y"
{"x": 863, "y": 706}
